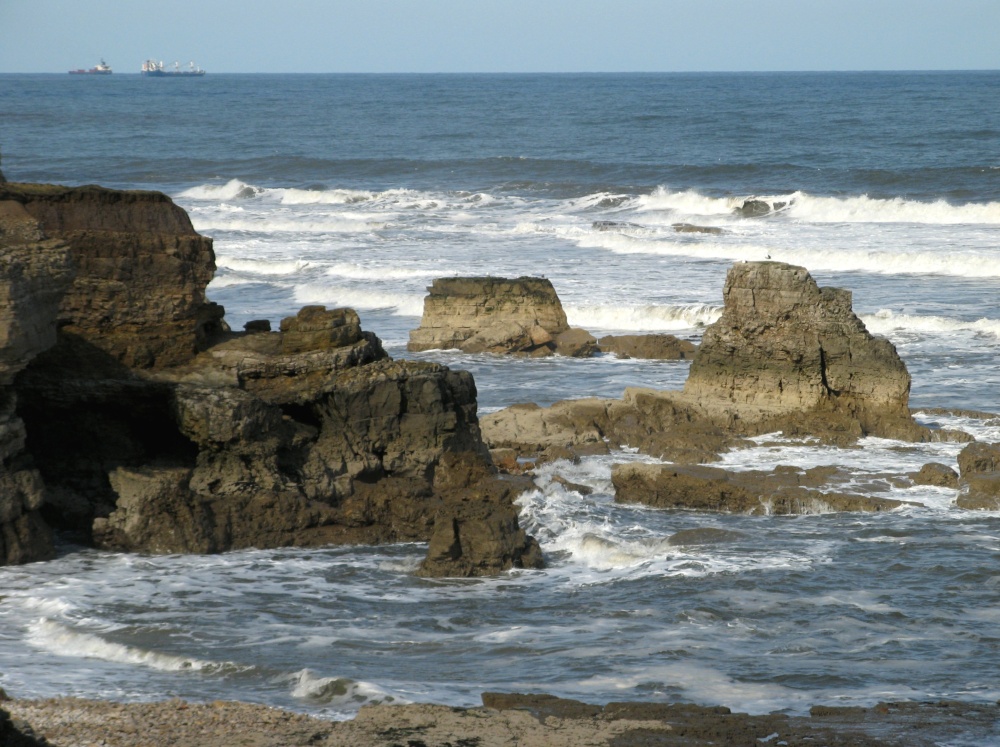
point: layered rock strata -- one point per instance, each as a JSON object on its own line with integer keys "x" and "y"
{"x": 34, "y": 274}
{"x": 520, "y": 316}
{"x": 157, "y": 429}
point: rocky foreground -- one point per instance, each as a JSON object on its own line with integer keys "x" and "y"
{"x": 132, "y": 417}
{"x": 505, "y": 720}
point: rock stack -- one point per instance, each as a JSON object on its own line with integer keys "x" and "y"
{"x": 786, "y": 350}
{"x": 785, "y": 355}
{"x": 157, "y": 429}
{"x": 497, "y": 315}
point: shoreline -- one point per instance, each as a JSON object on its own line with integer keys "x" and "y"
{"x": 505, "y": 720}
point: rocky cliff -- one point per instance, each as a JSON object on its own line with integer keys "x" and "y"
{"x": 34, "y": 274}
{"x": 157, "y": 429}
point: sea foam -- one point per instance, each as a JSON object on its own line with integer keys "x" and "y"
{"x": 64, "y": 640}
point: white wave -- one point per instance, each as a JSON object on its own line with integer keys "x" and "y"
{"x": 262, "y": 266}
{"x": 815, "y": 209}
{"x": 232, "y": 190}
{"x": 885, "y": 322}
{"x": 688, "y": 202}
{"x": 63, "y": 640}
{"x": 643, "y": 318}
{"x": 957, "y": 264}
{"x": 866, "y": 209}
{"x": 333, "y": 296}
{"x": 320, "y": 196}
{"x": 336, "y": 690}
{"x": 360, "y": 272}
{"x": 266, "y": 224}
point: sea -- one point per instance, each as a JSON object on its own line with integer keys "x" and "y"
{"x": 359, "y": 190}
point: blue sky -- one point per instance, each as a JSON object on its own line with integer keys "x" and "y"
{"x": 501, "y": 35}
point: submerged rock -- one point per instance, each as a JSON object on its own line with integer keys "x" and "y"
{"x": 712, "y": 489}
{"x": 690, "y": 228}
{"x": 661, "y": 347}
{"x": 937, "y": 475}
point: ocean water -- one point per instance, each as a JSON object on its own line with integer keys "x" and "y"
{"x": 359, "y": 190}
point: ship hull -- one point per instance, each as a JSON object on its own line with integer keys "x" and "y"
{"x": 173, "y": 74}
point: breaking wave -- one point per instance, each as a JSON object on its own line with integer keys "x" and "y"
{"x": 643, "y": 318}
{"x": 814, "y": 209}
{"x": 63, "y": 640}
{"x": 885, "y": 322}
{"x": 403, "y": 304}
{"x": 307, "y": 685}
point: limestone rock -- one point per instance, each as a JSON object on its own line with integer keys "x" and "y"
{"x": 575, "y": 343}
{"x": 704, "y": 536}
{"x": 652, "y": 347}
{"x": 712, "y": 489}
{"x": 159, "y": 430}
{"x": 979, "y": 465}
{"x": 487, "y": 314}
{"x": 937, "y": 475}
{"x": 690, "y": 228}
{"x": 34, "y": 274}
{"x": 785, "y": 349}
{"x": 478, "y": 534}
{"x": 123, "y": 246}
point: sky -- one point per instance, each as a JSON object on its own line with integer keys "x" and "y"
{"x": 427, "y": 36}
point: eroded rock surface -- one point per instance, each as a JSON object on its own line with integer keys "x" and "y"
{"x": 782, "y": 491}
{"x": 785, "y": 356}
{"x": 979, "y": 466}
{"x": 157, "y": 429}
{"x": 497, "y": 315}
{"x": 652, "y": 346}
{"x": 34, "y": 274}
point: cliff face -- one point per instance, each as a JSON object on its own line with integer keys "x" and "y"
{"x": 34, "y": 273}
{"x": 141, "y": 272}
{"x": 157, "y": 429}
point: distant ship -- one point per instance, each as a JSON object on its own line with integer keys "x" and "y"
{"x": 101, "y": 69}
{"x": 154, "y": 69}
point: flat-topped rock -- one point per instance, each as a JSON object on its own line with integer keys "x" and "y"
{"x": 656, "y": 346}
{"x": 520, "y": 316}
{"x": 787, "y": 491}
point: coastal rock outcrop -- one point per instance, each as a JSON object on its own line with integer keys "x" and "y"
{"x": 158, "y": 429}
{"x": 979, "y": 467}
{"x": 520, "y": 316}
{"x": 661, "y": 347}
{"x": 786, "y": 355}
{"x": 784, "y": 345}
{"x": 34, "y": 274}
{"x": 781, "y": 491}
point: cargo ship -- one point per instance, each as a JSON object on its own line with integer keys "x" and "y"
{"x": 100, "y": 69}
{"x": 154, "y": 69}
